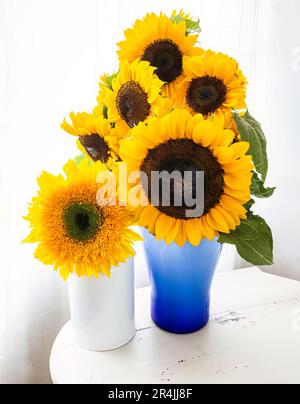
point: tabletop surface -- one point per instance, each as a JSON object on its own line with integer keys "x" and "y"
{"x": 253, "y": 337}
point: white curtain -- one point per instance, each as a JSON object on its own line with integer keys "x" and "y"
{"x": 280, "y": 117}
{"x": 51, "y": 55}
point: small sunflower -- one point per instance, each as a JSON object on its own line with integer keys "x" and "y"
{"x": 95, "y": 136}
{"x": 161, "y": 42}
{"x": 182, "y": 142}
{"x": 213, "y": 83}
{"x": 76, "y": 235}
{"x": 135, "y": 95}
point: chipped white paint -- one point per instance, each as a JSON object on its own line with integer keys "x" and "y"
{"x": 251, "y": 338}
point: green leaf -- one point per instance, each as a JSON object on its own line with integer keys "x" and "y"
{"x": 249, "y": 206}
{"x": 251, "y": 131}
{"x": 259, "y": 190}
{"x": 192, "y": 26}
{"x": 253, "y": 240}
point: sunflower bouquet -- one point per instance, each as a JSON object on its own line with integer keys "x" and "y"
{"x": 170, "y": 106}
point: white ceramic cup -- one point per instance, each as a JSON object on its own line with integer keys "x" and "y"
{"x": 102, "y": 310}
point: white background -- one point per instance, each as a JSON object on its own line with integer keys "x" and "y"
{"x": 51, "y": 55}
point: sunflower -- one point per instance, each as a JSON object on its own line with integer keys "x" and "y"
{"x": 75, "y": 234}
{"x": 135, "y": 95}
{"x": 182, "y": 142}
{"x": 161, "y": 42}
{"x": 95, "y": 136}
{"x": 213, "y": 83}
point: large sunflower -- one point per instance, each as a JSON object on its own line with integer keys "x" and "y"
{"x": 213, "y": 83}
{"x": 95, "y": 136}
{"x": 182, "y": 142}
{"x": 75, "y": 234}
{"x": 135, "y": 95}
{"x": 161, "y": 42}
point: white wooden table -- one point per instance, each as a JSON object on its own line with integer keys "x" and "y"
{"x": 253, "y": 337}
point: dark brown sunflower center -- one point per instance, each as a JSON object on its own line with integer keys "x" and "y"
{"x": 166, "y": 56}
{"x": 183, "y": 156}
{"x": 132, "y": 104}
{"x": 82, "y": 221}
{"x": 206, "y": 94}
{"x": 96, "y": 147}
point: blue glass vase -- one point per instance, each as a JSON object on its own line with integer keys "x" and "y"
{"x": 181, "y": 280}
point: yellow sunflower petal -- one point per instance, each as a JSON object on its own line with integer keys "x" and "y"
{"x": 193, "y": 232}
{"x": 148, "y": 216}
{"x": 217, "y": 221}
{"x": 181, "y": 237}
{"x": 240, "y": 149}
{"x": 171, "y": 236}
{"x": 207, "y": 230}
{"x": 163, "y": 226}
{"x": 232, "y": 204}
{"x": 228, "y": 218}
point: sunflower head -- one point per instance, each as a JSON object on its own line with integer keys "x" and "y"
{"x": 96, "y": 138}
{"x": 180, "y": 142}
{"x": 212, "y": 83}
{"x": 163, "y": 43}
{"x": 135, "y": 95}
{"x": 76, "y": 234}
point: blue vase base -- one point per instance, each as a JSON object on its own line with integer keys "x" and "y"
{"x": 184, "y": 326}
{"x": 180, "y": 331}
